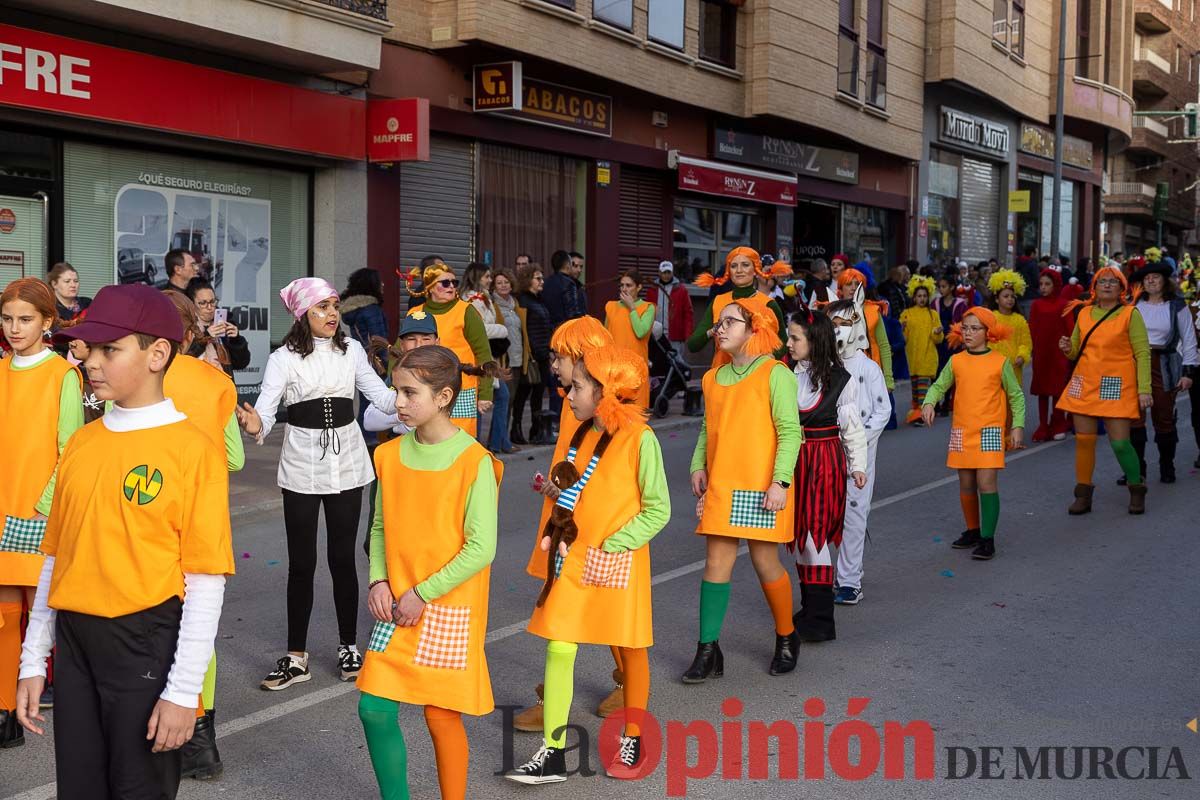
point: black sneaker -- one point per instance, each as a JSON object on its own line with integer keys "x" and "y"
{"x": 985, "y": 550}
{"x": 624, "y": 765}
{"x": 288, "y": 670}
{"x": 47, "y": 699}
{"x": 349, "y": 661}
{"x": 548, "y": 765}
{"x": 969, "y": 539}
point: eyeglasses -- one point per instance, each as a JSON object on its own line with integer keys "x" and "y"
{"x": 973, "y": 328}
{"x": 448, "y": 283}
{"x": 1108, "y": 282}
{"x": 206, "y": 303}
{"x": 725, "y": 323}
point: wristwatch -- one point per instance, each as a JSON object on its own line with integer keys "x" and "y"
{"x": 783, "y": 484}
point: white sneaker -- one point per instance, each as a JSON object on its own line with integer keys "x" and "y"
{"x": 288, "y": 670}
{"x": 349, "y": 661}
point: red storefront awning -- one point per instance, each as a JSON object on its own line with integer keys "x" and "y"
{"x": 724, "y": 180}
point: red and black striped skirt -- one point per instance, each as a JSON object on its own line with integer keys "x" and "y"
{"x": 820, "y": 489}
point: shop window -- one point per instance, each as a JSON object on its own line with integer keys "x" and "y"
{"x": 1017, "y": 28}
{"x": 718, "y": 32}
{"x": 1066, "y": 217}
{"x": 944, "y": 168}
{"x": 1000, "y": 22}
{"x": 847, "y": 48}
{"x": 867, "y": 234}
{"x": 666, "y": 22}
{"x": 618, "y": 13}
{"x": 817, "y": 232}
{"x": 876, "y": 54}
{"x": 568, "y": 4}
{"x": 703, "y": 235}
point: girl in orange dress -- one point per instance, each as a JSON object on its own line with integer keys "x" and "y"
{"x": 743, "y": 266}
{"x": 850, "y": 281}
{"x": 981, "y": 377}
{"x": 630, "y": 320}
{"x": 600, "y": 589}
{"x": 430, "y": 571}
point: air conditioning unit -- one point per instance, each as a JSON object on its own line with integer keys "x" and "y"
{"x": 658, "y": 119}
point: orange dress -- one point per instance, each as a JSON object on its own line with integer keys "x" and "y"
{"x": 1104, "y": 383}
{"x": 758, "y": 301}
{"x": 567, "y": 425}
{"x": 977, "y": 428}
{"x": 440, "y": 661}
{"x": 740, "y": 469}
{"x": 615, "y": 584}
{"x": 29, "y": 401}
{"x": 451, "y": 327}
{"x": 203, "y": 393}
{"x": 618, "y": 321}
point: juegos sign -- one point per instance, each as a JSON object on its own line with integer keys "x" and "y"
{"x": 503, "y": 90}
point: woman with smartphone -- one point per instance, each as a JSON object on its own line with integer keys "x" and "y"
{"x": 215, "y": 321}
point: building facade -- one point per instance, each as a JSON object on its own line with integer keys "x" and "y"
{"x": 1153, "y": 171}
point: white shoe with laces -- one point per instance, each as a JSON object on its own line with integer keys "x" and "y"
{"x": 288, "y": 670}
{"x": 349, "y": 661}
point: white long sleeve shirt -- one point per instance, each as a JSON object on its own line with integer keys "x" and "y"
{"x": 326, "y": 372}
{"x": 874, "y": 407}
{"x": 850, "y": 424}
{"x": 203, "y": 595}
{"x": 1157, "y": 317}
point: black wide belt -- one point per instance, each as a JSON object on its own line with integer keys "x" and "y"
{"x": 323, "y": 414}
{"x": 817, "y": 433}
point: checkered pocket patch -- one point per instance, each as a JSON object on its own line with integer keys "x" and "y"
{"x": 1110, "y": 387}
{"x": 22, "y": 535}
{"x": 1075, "y": 387}
{"x": 747, "y": 510}
{"x": 465, "y": 406}
{"x": 445, "y": 634}
{"x": 991, "y": 440}
{"x": 607, "y": 570}
{"x": 956, "y": 440}
{"x": 381, "y": 636}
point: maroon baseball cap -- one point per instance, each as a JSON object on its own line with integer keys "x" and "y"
{"x": 118, "y": 311}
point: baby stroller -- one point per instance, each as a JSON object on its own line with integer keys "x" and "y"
{"x": 669, "y": 374}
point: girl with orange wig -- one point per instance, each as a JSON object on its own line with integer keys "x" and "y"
{"x": 742, "y": 472}
{"x": 743, "y": 266}
{"x": 981, "y": 378}
{"x": 44, "y": 393}
{"x": 600, "y": 588}
{"x": 850, "y": 282}
{"x": 1110, "y": 380}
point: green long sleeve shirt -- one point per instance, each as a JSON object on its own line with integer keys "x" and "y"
{"x": 476, "y": 335}
{"x": 885, "y": 354}
{"x": 235, "y": 451}
{"x": 784, "y": 413}
{"x": 70, "y": 419}
{"x": 479, "y": 524}
{"x": 699, "y": 337}
{"x": 1008, "y": 378}
{"x": 656, "y": 500}
{"x": 642, "y": 321}
{"x": 1139, "y": 340}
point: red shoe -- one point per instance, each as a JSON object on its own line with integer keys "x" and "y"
{"x": 913, "y": 416}
{"x": 1059, "y": 430}
{"x": 1042, "y": 434}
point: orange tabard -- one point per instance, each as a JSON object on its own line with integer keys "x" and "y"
{"x": 617, "y": 319}
{"x": 871, "y": 318}
{"x": 203, "y": 393}
{"x": 440, "y": 661}
{"x": 740, "y": 472}
{"x": 1104, "y": 383}
{"x": 602, "y": 598}
{"x": 758, "y": 300}
{"x": 29, "y": 398}
{"x": 567, "y": 425}
{"x": 977, "y": 426}
{"x": 451, "y": 325}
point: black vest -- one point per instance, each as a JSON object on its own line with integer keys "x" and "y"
{"x": 824, "y": 414}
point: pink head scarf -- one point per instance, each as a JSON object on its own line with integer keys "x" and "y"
{"x": 303, "y": 293}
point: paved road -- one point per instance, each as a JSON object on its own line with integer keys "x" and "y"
{"x": 1082, "y": 632}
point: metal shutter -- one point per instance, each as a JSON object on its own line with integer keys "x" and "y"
{"x": 437, "y": 204}
{"x": 979, "y": 210}
{"x": 642, "y": 238}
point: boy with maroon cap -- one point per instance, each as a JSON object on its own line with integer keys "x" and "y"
{"x": 138, "y": 546}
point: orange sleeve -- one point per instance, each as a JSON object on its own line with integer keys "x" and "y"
{"x": 54, "y": 520}
{"x": 206, "y": 545}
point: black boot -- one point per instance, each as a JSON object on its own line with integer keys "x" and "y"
{"x": 514, "y": 434}
{"x": 817, "y": 624}
{"x": 1137, "y": 438}
{"x": 968, "y": 539}
{"x": 803, "y": 612}
{"x": 199, "y": 756}
{"x": 787, "y": 651}
{"x": 708, "y": 663}
{"x": 11, "y": 732}
{"x": 1166, "y": 455}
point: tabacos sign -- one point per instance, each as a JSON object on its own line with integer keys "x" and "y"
{"x": 503, "y": 89}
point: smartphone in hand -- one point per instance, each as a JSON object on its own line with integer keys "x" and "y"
{"x": 221, "y": 316}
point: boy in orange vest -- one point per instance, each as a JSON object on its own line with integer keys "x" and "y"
{"x": 138, "y": 545}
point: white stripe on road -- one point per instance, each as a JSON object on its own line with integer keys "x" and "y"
{"x": 311, "y": 699}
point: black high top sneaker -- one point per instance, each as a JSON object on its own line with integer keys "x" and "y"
{"x": 548, "y": 765}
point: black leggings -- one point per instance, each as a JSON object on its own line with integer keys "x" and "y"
{"x": 1194, "y": 393}
{"x": 533, "y": 393}
{"x": 300, "y": 512}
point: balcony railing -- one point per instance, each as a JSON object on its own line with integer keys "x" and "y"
{"x": 1149, "y": 56}
{"x": 1150, "y": 124}
{"x": 1134, "y": 188}
{"x": 376, "y": 9}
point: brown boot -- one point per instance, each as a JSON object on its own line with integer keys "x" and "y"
{"x": 1137, "y": 498}
{"x": 616, "y": 698}
{"x": 1083, "y": 499}
{"x": 530, "y": 720}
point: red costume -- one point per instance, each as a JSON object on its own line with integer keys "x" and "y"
{"x": 1050, "y": 367}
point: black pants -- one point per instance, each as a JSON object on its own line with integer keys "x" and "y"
{"x": 300, "y": 512}
{"x": 533, "y": 393}
{"x": 108, "y": 674}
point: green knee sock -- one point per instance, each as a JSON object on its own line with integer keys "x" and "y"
{"x": 989, "y": 506}
{"x": 208, "y": 693}
{"x": 714, "y": 600}
{"x": 385, "y": 743}
{"x": 557, "y": 690}
{"x": 1127, "y": 458}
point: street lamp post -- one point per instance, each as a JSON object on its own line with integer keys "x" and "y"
{"x": 1058, "y": 127}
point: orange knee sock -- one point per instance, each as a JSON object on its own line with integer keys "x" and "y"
{"x": 10, "y": 654}
{"x": 779, "y": 597}
{"x": 636, "y": 663}
{"x": 450, "y": 749}
{"x": 1085, "y": 457}
{"x": 970, "y": 509}
{"x": 616, "y": 654}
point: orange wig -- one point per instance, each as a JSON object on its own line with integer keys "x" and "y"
{"x": 777, "y": 270}
{"x": 575, "y": 337}
{"x": 996, "y": 330}
{"x": 620, "y": 374}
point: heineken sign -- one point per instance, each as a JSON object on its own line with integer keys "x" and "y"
{"x": 785, "y": 155}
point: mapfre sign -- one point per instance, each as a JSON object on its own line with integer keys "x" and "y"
{"x": 398, "y": 130}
